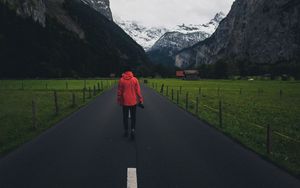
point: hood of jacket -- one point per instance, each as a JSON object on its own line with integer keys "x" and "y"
{"x": 127, "y": 75}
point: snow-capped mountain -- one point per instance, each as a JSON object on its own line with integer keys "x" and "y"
{"x": 102, "y": 6}
{"x": 175, "y": 41}
{"x": 185, "y": 36}
{"x": 149, "y": 36}
{"x": 209, "y": 27}
{"x": 143, "y": 35}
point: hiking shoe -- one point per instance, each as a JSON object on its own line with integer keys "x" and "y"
{"x": 132, "y": 134}
{"x": 125, "y": 134}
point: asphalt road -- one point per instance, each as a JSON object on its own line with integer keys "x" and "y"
{"x": 172, "y": 149}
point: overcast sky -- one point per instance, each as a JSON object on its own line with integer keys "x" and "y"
{"x": 169, "y": 12}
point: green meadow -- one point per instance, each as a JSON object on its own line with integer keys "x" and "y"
{"x": 18, "y": 124}
{"x": 248, "y": 108}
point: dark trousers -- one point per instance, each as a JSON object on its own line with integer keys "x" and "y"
{"x": 132, "y": 116}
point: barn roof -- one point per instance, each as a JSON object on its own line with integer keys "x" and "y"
{"x": 191, "y": 72}
{"x": 180, "y": 73}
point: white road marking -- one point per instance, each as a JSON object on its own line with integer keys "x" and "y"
{"x": 131, "y": 178}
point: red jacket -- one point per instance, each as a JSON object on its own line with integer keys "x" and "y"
{"x": 129, "y": 91}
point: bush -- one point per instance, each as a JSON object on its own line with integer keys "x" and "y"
{"x": 291, "y": 78}
{"x": 279, "y": 78}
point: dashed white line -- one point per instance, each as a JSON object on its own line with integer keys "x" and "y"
{"x": 131, "y": 178}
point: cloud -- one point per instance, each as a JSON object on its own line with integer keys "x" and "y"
{"x": 169, "y": 12}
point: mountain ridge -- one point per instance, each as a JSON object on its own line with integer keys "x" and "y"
{"x": 258, "y": 33}
{"x": 54, "y": 50}
{"x": 102, "y": 6}
{"x": 164, "y": 49}
{"x": 148, "y": 36}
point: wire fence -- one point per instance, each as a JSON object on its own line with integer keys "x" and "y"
{"x": 214, "y": 109}
{"x": 27, "y": 111}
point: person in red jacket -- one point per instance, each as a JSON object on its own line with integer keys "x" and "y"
{"x": 129, "y": 96}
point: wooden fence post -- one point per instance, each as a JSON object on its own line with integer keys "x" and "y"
{"x": 177, "y": 97}
{"x": 269, "y": 139}
{"x": 220, "y": 114}
{"x": 162, "y": 88}
{"x": 90, "y": 92}
{"x": 83, "y": 94}
{"x": 197, "y": 105}
{"x": 167, "y": 91}
{"x": 94, "y": 92}
{"x": 34, "y": 119}
{"x": 172, "y": 94}
{"x": 73, "y": 100}
{"x": 187, "y": 101}
{"x": 56, "y": 103}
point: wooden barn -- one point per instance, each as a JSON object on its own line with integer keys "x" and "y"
{"x": 180, "y": 74}
{"x": 188, "y": 74}
{"x": 191, "y": 74}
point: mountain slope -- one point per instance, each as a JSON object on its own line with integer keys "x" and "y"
{"x": 163, "y": 51}
{"x": 185, "y": 36}
{"x": 143, "y": 35}
{"x": 254, "y": 32}
{"x": 35, "y": 9}
{"x": 102, "y": 6}
{"x": 148, "y": 37}
{"x": 170, "y": 43}
{"x": 53, "y": 49}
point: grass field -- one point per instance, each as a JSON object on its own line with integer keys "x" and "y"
{"x": 248, "y": 107}
{"x": 16, "y": 96}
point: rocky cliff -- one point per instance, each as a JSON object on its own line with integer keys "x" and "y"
{"x": 172, "y": 42}
{"x": 256, "y": 31}
{"x": 39, "y": 9}
{"x": 102, "y": 6}
{"x": 65, "y": 38}
{"x": 164, "y": 49}
{"x": 36, "y": 9}
{"x": 187, "y": 36}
